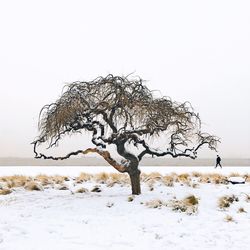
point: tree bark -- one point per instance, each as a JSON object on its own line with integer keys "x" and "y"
{"x": 133, "y": 171}
{"x": 135, "y": 181}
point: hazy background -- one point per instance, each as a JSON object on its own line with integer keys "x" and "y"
{"x": 195, "y": 51}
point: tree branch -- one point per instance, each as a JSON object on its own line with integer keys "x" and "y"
{"x": 105, "y": 154}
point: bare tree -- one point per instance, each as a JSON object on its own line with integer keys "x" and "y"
{"x": 125, "y": 113}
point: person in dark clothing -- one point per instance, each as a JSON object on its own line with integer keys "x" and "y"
{"x": 218, "y": 161}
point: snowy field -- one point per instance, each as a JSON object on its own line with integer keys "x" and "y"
{"x": 54, "y": 219}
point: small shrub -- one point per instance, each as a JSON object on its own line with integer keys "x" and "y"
{"x": 196, "y": 174}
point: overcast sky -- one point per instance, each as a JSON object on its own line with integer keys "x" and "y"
{"x": 197, "y": 51}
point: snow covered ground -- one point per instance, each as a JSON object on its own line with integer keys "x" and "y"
{"x": 65, "y": 220}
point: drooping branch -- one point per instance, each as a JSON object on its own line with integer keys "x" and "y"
{"x": 175, "y": 152}
{"x": 105, "y": 154}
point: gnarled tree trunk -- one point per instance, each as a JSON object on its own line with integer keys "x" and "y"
{"x": 134, "y": 175}
{"x": 133, "y": 162}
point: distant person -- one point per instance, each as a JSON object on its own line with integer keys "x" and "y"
{"x": 218, "y": 161}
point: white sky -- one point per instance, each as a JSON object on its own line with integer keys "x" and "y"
{"x": 197, "y": 51}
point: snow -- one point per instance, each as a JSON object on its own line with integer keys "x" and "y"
{"x": 62, "y": 219}
{"x": 237, "y": 179}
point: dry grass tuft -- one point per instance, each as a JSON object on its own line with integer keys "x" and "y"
{"x": 83, "y": 177}
{"x": 82, "y": 190}
{"x": 154, "y": 176}
{"x": 33, "y": 186}
{"x": 191, "y": 200}
{"x": 194, "y": 185}
{"x": 234, "y": 174}
{"x": 184, "y": 178}
{"x": 225, "y": 201}
{"x": 247, "y": 177}
{"x": 229, "y": 218}
{"x": 196, "y": 174}
{"x": 5, "y": 191}
{"x": 58, "y": 179}
{"x": 241, "y": 210}
{"x": 218, "y": 179}
{"x": 15, "y": 180}
{"x": 117, "y": 178}
{"x": 130, "y": 198}
{"x": 44, "y": 179}
{"x": 247, "y": 198}
{"x": 62, "y": 187}
{"x": 155, "y": 204}
{"x": 101, "y": 177}
{"x": 213, "y": 178}
{"x": 189, "y": 205}
{"x": 96, "y": 189}
{"x": 168, "y": 180}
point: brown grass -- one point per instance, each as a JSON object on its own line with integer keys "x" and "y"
{"x": 229, "y": 218}
{"x": 168, "y": 180}
{"x": 96, "y": 189}
{"x": 62, "y": 187}
{"x": 226, "y": 201}
{"x": 131, "y": 198}
{"x": 82, "y": 190}
{"x": 155, "y": 203}
{"x": 58, "y": 179}
{"x": 83, "y": 177}
{"x": 44, "y": 179}
{"x": 196, "y": 174}
{"x": 5, "y": 191}
{"x": 101, "y": 177}
{"x": 213, "y": 178}
{"x": 184, "y": 178}
{"x": 191, "y": 200}
{"x": 15, "y": 180}
{"x": 189, "y": 205}
{"x": 234, "y": 174}
{"x": 241, "y": 210}
{"x": 247, "y": 177}
{"x": 247, "y": 199}
{"x": 33, "y": 186}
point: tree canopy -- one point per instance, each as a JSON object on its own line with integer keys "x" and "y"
{"x": 124, "y": 112}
